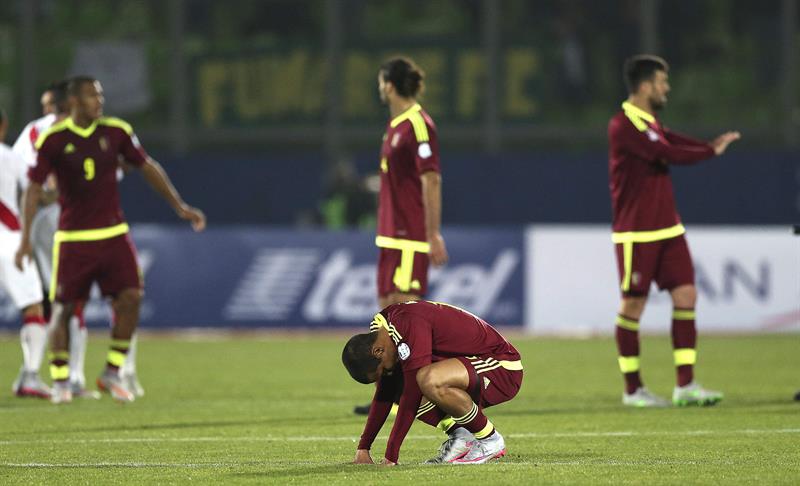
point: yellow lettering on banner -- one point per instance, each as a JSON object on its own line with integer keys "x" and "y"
{"x": 470, "y": 71}
{"x": 521, "y": 65}
{"x": 246, "y": 87}
{"x": 213, "y": 77}
{"x": 360, "y": 84}
{"x": 433, "y": 62}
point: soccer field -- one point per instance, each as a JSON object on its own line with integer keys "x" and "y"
{"x": 272, "y": 409}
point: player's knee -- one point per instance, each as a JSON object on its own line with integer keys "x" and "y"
{"x": 633, "y": 307}
{"x": 685, "y": 296}
{"x": 429, "y": 382}
{"x": 128, "y": 300}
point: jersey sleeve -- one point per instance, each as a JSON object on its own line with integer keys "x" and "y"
{"x": 44, "y": 163}
{"x": 425, "y": 144}
{"x": 681, "y": 139}
{"x": 648, "y": 145}
{"x": 387, "y": 389}
{"x": 131, "y": 150}
{"x": 406, "y": 412}
{"x": 415, "y": 349}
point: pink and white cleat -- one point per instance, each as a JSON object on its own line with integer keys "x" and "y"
{"x": 484, "y": 450}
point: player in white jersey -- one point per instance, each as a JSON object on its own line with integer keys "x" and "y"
{"x": 44, "y": 226}
{"x": 23, "y": 287}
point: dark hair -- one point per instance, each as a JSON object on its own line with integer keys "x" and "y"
{"x": 75, "y": 84}
{"x": 406, "y": 76}
{"x": 358, "y": 359}
{"x": 640, "y": 68}
{"x": 59, "y": 91}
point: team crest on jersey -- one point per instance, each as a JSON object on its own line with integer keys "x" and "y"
{"x": 104, "y": 144}
{"x": 653, "y": 136}
{"x": 404, "y": 351}
{"x": 424, "y": 150}
{"x": 395, "y": 140}
{"x": 636, "y": 277}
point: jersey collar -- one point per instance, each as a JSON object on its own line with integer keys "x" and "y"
{"x": 405, "y": 115}
{"x": 82, "y": 132}
{"x": 637, "y": 116}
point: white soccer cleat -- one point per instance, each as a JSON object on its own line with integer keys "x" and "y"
{"x": 132, "y": 384}
{"x": 111, "y": 383}
{"x": 28, "y": 384}
{"x": 484, "y": 450}
{"x": 695, "y": 394}
{"x": 455, "y": 447}
{"x": 61, "y": 393}
{"x": 79, "y": 390}
{"x": 644, "y": 398}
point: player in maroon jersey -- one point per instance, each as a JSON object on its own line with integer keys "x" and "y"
{"x": 647, "y": 229}
{"x": 445, "y": 365}
{"x": 92, "y": 242}
{"x": 410, "y": 200}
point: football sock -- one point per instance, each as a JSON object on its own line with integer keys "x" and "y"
{"x": 430, "y": 414}
{"x": 33, "y": 339}
{"x": 117, "y": 354}
{"x": 129, "y": 367}
{"x": 476, "y": 422}
{"x": 78, "y": 337}
{"x": 684, "y": 343}
{"x": 59, "y": 366}
{"x": 627, "y": 335}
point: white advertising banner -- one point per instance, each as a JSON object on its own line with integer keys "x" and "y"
{"x": 748, "y": 280}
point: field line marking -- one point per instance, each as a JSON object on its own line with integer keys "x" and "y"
{"x": 526, "y": 435}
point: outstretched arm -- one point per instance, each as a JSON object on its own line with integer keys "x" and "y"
{"x": 157, "y": 178}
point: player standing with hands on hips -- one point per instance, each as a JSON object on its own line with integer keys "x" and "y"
{"x": 647, "y": 230}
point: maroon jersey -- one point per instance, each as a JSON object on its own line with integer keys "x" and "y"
{"x": 640, "y": 151}
{"x": 426, "y": 332}
{"x": 85, "y": 162}
{"x": 410, "y": 148}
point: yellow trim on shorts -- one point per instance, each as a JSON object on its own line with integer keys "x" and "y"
{"x": 62, "y": 236}
{"x": 404, "y": 273}
{"x": 648, "y": 236}
{"x": 627, "y": 265}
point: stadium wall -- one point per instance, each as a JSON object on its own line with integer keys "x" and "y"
{"x": 749, "y": 187}
{"x": 543, "y": 279}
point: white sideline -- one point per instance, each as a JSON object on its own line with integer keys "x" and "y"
{"x": 528, "y": 435}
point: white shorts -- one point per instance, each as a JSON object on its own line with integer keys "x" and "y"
{"x": 44, "y": 226}
{"x": 24, "y": 287}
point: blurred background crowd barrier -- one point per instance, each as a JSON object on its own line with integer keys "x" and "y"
{"x": 266, "y": 115}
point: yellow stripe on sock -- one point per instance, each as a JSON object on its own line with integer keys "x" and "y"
{"x": 446, "y": 424}
{"x": 685, "y": 356}
{"x": 59, "y": 372}
{"x": 683, "y": 314}
{"x": 116, "y": 358}
{"x": 628, "y": 364}
{"x": 484, "y": 432}
{"x": 121, "y": 343}
{"x": 467, "y": 417}
{"x": 628, "y": 324}
{"x": 63, "y": 355}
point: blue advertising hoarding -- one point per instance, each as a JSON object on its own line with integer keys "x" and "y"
{"x": 246, "y": 277}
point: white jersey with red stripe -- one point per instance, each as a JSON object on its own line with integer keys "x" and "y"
{"x": 25, "y": 144}
{"x": 13, "y": 179}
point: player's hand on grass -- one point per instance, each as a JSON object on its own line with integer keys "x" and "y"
{"x": 363, "y": 457}
{"x": 720, "y": 144}
{"x": 193, "y": 215}
{"x": 387, "y": 462}
{"x": 24, "y": 250}
{"x": 438, "y": 251}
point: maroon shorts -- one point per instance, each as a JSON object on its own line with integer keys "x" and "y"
{"x": 667, "y": 262}
{"x": 110, "y": 262}
{"x": 490, "y": 383}
{"x": 394, "y": 277}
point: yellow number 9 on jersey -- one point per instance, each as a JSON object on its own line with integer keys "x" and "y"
{"x": 88, "y": 168}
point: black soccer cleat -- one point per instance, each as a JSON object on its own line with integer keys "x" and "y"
{"x": 361, "y": 409}
{"x": 797, "y": 397}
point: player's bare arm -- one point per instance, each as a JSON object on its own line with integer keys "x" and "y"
{"x": 363, "y": 457}
{"x": 432, "y": 201}
{"x": 155, "y": 175}
{"x": 33, "y": 195}
{"x": 720, "y": 144}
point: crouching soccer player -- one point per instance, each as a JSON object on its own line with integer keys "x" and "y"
{"x": 445, "y": 365}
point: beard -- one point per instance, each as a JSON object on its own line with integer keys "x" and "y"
{"x": 658, "y": 104}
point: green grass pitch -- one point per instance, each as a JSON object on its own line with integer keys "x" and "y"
{"x": 273, "y": 409}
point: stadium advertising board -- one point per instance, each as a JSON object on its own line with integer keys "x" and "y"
{"x": 254, "y": 277}
{"x": 748, "y": 280}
